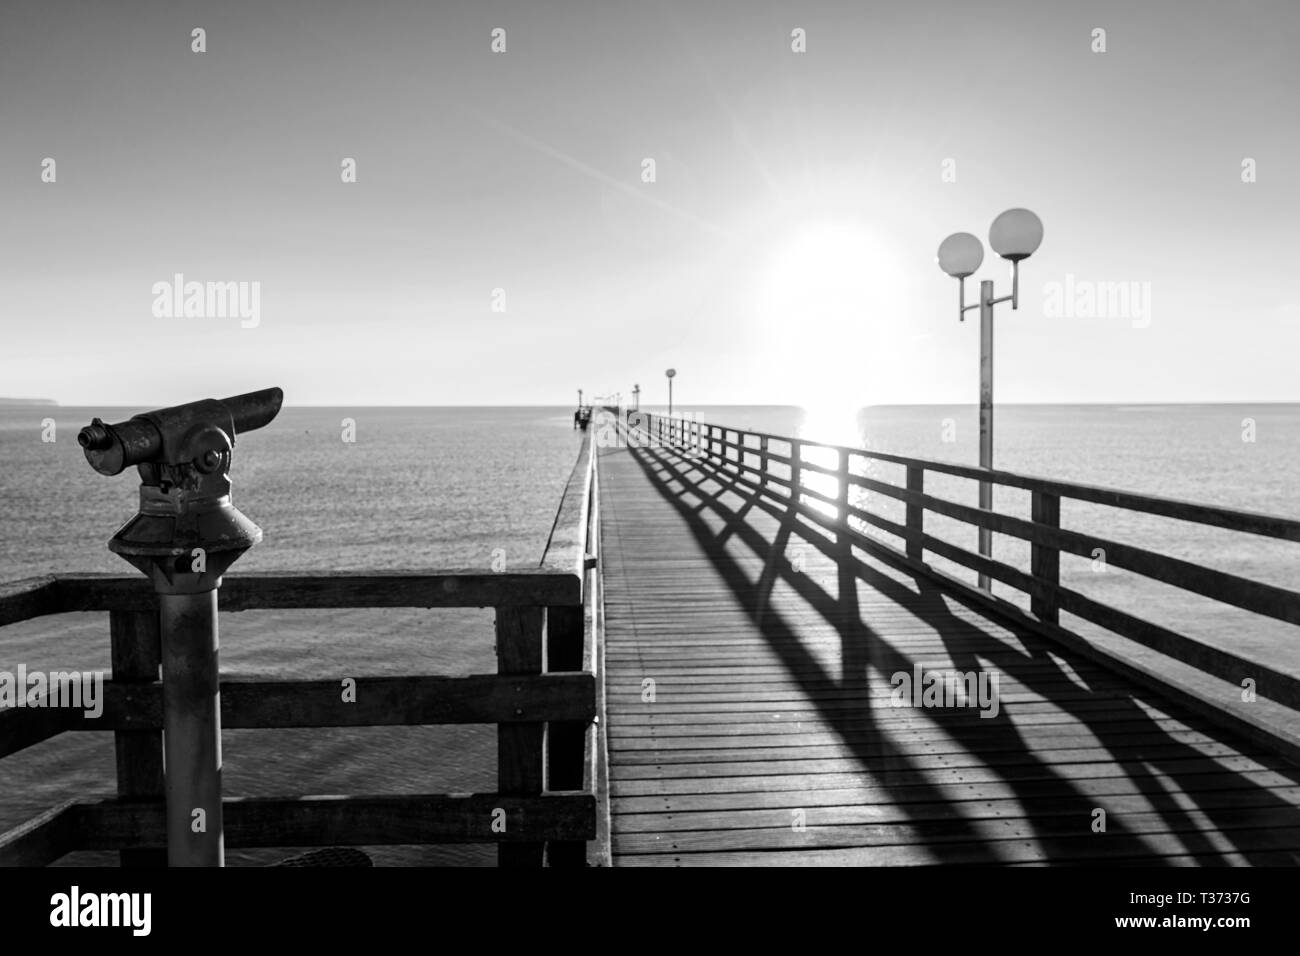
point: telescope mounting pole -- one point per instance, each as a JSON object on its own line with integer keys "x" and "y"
{"x": 184, "y": 537}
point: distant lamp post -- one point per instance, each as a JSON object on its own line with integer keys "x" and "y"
{"x": 671, "y": 374}
{"x": 1014, "y": 235}
{"x": 636, "y": 398}
{"x": 579, "y": 398}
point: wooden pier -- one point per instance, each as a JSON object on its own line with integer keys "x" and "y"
{"x": 706, "y": 669}
{"x": 750, "y": 712}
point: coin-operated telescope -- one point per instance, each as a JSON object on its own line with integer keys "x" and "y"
{"x": 184, "y": 537}
{"x": 186, "y": 524}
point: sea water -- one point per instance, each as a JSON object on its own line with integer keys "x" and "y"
{"x": 445, "y": 488}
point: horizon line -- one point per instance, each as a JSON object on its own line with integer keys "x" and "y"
{"x": 49, "y": 403}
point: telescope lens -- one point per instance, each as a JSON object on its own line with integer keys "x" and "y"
{"x": 94, "y": 436}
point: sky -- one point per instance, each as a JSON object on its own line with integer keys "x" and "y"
{"x": 501, "y": 244}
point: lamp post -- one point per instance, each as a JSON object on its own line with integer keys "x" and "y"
{"x": 671, "y": 374}
{"x": 1014, "y": 235}
{"x": 636, "y": 398}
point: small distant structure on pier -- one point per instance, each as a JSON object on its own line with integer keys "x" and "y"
{"x": 582, "y": 415}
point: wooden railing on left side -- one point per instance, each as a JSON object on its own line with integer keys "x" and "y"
{"x": 544, "y": 700}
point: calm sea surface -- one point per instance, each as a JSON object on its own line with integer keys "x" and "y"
{"x": 444, "y": 488}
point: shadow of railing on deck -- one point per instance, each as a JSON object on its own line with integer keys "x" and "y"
{"x": 1058, "y": 809}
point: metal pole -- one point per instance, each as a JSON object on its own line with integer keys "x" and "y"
{"x": 192, "y": 728}
{"x": 670, "y": 398}
{"x": 986, "y": 417}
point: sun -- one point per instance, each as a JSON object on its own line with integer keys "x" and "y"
{"x": 827, "y": 305}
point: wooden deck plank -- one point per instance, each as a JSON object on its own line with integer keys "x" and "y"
{"x": 1254, "y": 847}
{"x": 931, "y": 738}
{"x": 851, "y": 748}
{"x": 936, "y": 778}
{"x": 817, "y": 835}
{"x": 1097, "y": 711}
{"x": 772, "y": 694}
{"x": 846, "y": 806}
{"x": 914, "y": 761}
{"x": 958, "y": 791}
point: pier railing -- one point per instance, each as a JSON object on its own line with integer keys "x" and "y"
{"x": 815, "y": 481}
{"x": 550, "y": 803}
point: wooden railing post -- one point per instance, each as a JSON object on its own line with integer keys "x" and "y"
{"x": 520, "y": 747}
{"x": 1045, "y": 560}
{"x": 915, "y": 511}
{"x": 796, "y": 472}
{"x": 136, "y": 659}
{"x": 842, "y": 492}
{"x": 565, "y": 740}
{"x": 762, "y": 460}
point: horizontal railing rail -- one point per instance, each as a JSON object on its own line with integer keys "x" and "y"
{"x": 139, "y": 826}
{"x": 1272, "y": 526}
{"x": 750, "y": 458}
{"x": 545, "y": 700}
{"x": 66, "y": 593}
